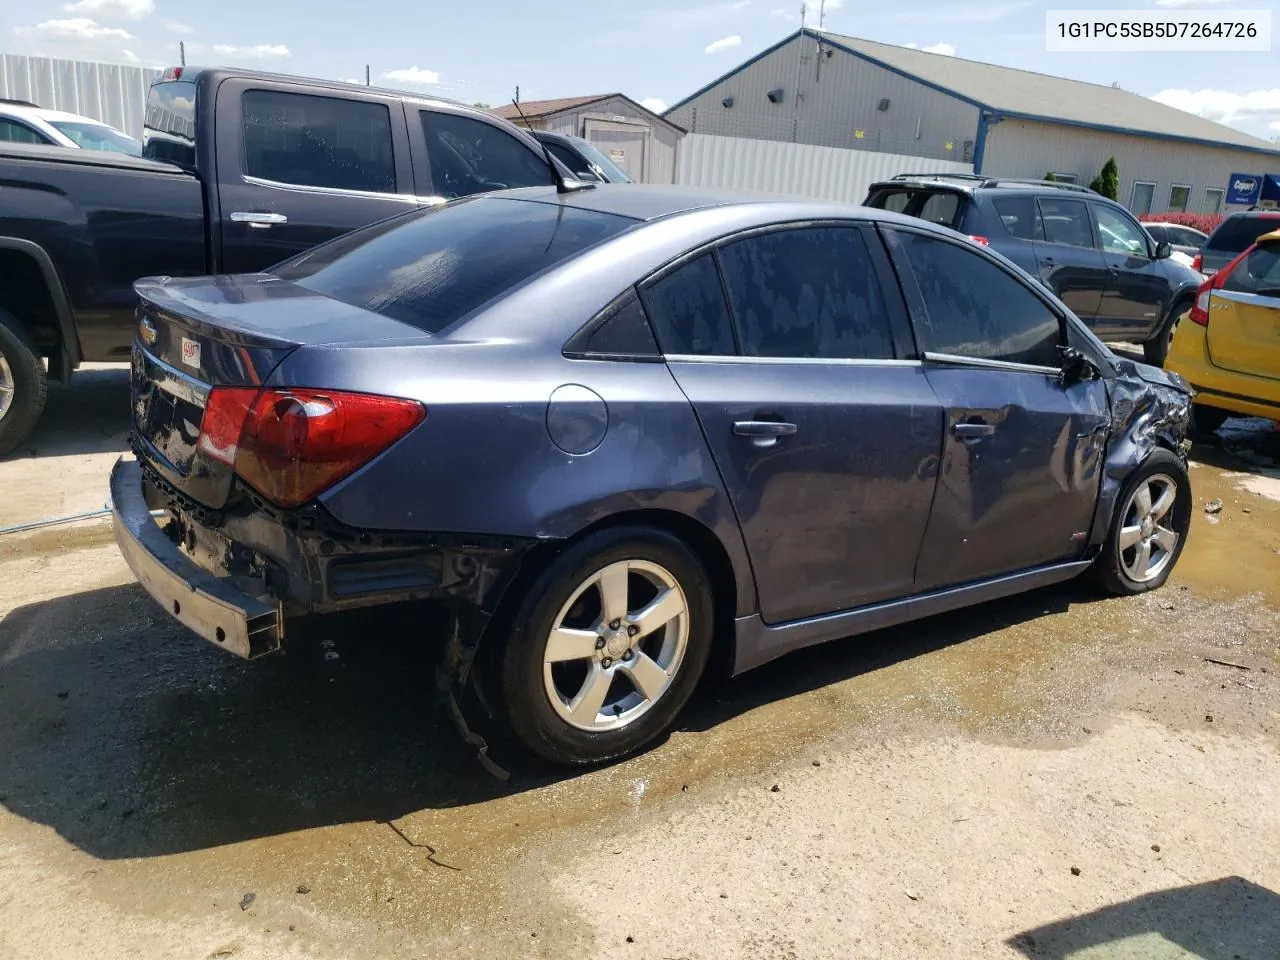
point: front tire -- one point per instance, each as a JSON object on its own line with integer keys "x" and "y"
{"x": 1148, "y": 528}
{"x": 1156, "y": 351}
{"x": 606, "y": 646}
{"x": 23, "y": 385}
{"x": 1207, "y": 420}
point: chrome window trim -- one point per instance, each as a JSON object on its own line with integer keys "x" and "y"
{"x": 951, "y": 359}
{"x": 340, "y": 192}
{"x": 1249, "y": 299}
{"x": 806, "y": 361}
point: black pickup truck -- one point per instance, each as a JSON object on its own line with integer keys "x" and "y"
{"x": 239, "y": 171}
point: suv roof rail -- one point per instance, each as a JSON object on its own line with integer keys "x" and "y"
{"x": 939, "y": 176}
{"x": 19, "y": 103}
{"x": 1057, "y": 184}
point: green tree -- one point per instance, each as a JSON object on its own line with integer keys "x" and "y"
{"x": 1049, "y": 177}
{"x": 480, "y": 106}
{"x": 1107, "y": 182}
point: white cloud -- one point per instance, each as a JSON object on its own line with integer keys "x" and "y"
{"x": 1178, "y": 4}
{"x": 177, "y": 26}
{"x": 742, "y": 4}
{"x": 946, "y": 49}
{"x": 984, "y": 12}
{"x": 412, "y": 75}
{"x": 654, "y": 104}
{"x": 263, "y": 51}
{"x": 724, "y": 43}
{"x": 114, "y": 9}
{"x": 79, "y": 30}
{"x": 1224, "y": 106}
{"x": 783, "y": 13}
{"x": 697, "y": 16}
{"x": 352, "y": 80}
{"x": 129, "y": 56}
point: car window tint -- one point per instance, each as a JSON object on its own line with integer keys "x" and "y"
{"x": 688, "y": 311}
{"x": 1188, "y": 238}
{"x": 1158, "y": 233}
{"x": 975, "y": 309}
{"x": 432, "y": 267}
{"x": 12, "y": 132}
{"x": 1066, "y": 221}
{"x": 318, "y": 141}
{"x": 1259, "y": 272}
{"x": 1237, "y": 234}
{"x": 1020, "y": 216}
{"x": 937, "y": 206}
{"x": 807, "y": 293}
{"x": 470, "y": 156}
{"x": 1119, "y": 233}
{"x": 577, "y": 166}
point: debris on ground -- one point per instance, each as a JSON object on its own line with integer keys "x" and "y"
{"x": 247, "y": 900}
{"x": 1213, "y": 506}
{"x": 1075, "y": 871}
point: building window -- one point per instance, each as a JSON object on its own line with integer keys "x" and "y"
{"x": 1064, "y": 178}
{"x": 1144, "y": 192}
{"x": 1213, "y": 199}
{"x": 1179, "y": 197}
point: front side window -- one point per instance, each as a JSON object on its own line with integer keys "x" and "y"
{"x": 688, "y": 312}
{"x": 13, "y": 132}
{"x": 1066, "y": 222}
{"x": 975, "y": 309}
{"x": 808, "y": 292}
{"x": 470, "y": 156}
{"x": 1143, "y": 196}
{"x": 315, "y": 141}
{"x": 1119, "y": 233}
{"x": 1187, "y": 238}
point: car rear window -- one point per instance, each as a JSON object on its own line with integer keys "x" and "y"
{"x": 1258, "y": 273}
{"x": 942, "y": 207}
{"x": 432, "y": 267}
{"x": 1235, "y": 234}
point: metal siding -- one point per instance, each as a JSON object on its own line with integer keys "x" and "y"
{"x": 112, "y": 93}
{"x": 834, "y": 103}
{"x": 1022, "y": 148}
{"x": 807, "y": 170}
{"x": 660, "y": 151}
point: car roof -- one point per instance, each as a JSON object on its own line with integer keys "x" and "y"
{"x": 970, "y": 183}
{"x": 214, "y": 74}
{"x": 40, "y": 113}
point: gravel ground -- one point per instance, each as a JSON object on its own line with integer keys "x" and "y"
{"x": 1056, "y": 775}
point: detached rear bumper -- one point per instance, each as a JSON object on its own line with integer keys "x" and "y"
{"x": 247, "y": 626}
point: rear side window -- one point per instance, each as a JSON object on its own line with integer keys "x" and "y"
{"x": 318, "y": 141}
{"x": 688, "y": 311}
{"x": 169, "y": 127}
{"x": 470, "y": 156}
{"x": 1066, "y": 222}
{"x": 1258, "y": 273}
{"x": 13, "y": 132}
{"x": 809, "y": 292}
{"x": 432, "y": 267}
{"x": 942, "y": 207}
{"x": 1236, "y": 234}
{"x": 1020, "y": 216}
{"x": 977, "y": 310}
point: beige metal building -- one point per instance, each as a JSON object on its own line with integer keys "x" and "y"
{"x": 638, "y": 140}
{"x": 836, "y": 91}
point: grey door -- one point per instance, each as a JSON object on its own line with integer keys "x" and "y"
{"x": 623, "y": 143}
{"x": 826, "y": 441}
{"x": 1021, "y": 453}
{"x": 1070, "y": 263}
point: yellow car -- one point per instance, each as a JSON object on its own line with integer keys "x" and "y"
{"x": 1230, "y": 349}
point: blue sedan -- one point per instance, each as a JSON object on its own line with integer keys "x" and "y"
{"x": 612, "y": 429}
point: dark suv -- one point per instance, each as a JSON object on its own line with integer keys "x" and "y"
{"x": 1088, "y": 250}
{"x": 1235, "y": 234}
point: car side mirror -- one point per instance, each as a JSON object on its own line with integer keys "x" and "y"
{"x": 1164, "y": 250}
{"x": 1076, "y": 366}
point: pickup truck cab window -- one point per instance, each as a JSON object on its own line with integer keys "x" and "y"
{"x": 469, "y": 156}
{"x": 315, "y": 141}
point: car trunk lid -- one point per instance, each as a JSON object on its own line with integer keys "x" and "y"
{"x": 195, "y": 335}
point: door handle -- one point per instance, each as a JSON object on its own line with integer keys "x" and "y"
{"x": 763, "y": 433}
{"x": 258, "y": 219}
{"x": 972, "y": 431}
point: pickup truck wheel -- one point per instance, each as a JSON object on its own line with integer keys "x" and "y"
{"x": 1156, "y": 351}
{"x": 606, "y": 647}
{"x": 1149, "y": 527}
{"x": 23, "y": 385}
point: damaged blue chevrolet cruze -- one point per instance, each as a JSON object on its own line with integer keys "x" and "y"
{"x": 611, "y": 429}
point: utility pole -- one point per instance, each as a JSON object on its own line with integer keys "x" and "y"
{"x": 182, "y": 53}
{"x": 517, "y": 93}
{"x": 366, "y": 75}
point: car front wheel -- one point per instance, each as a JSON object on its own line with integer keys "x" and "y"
{"x": 1149, "y": 527}
{"x": 607, "y": 646}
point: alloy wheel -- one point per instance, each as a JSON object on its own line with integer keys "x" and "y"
{"x": 1145, "y": 543}
{"x": 616, "y": 645}
{"x": 6, "y": 386}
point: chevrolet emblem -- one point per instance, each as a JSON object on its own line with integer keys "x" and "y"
{"x": 147, "y": 332}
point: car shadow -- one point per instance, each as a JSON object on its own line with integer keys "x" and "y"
{"x": 1226, "y": 919}
{"x": 131, "y": 738}
{"x": 89, "y": 415}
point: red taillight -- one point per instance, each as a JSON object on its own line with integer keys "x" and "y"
{"x": 173, "y": 73}
{"x": 1198, "y": 262}
{"x": 981, "y": 241}
{"x": 1200, "y": 311}
{"x": 292, "y": 444}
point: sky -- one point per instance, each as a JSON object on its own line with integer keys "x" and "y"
{"x": 655, "y": 51}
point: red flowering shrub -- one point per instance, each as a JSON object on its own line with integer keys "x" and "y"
{"x": 1204, "y": 222}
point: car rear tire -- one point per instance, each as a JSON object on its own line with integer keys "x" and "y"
{"x": 1156, "y": 351}
{"x": 23, "y": 385}
{"x": 606, "y": 646}
{"x": 1148, "y": 528}
{"x": 1207, "y": 420}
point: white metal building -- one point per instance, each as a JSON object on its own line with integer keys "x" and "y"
{"x": 110, "y": 92}
{"x": 638, "y": 140}
{"x": 841, "y": 92}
